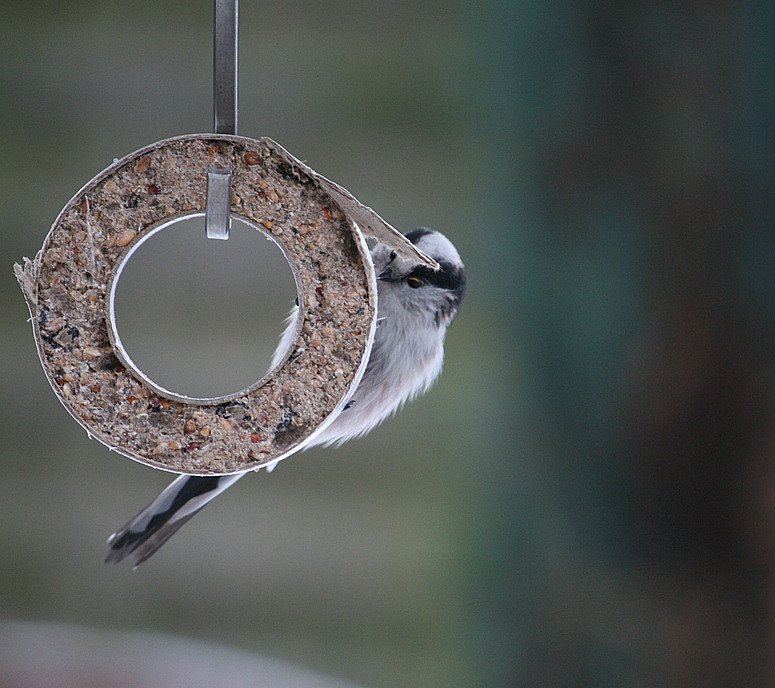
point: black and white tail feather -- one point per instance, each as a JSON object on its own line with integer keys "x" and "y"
{"x": 415, "y": 305}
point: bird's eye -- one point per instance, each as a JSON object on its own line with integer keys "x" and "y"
{"x": 413, "y": 282}
{"x": 393, "y": 255}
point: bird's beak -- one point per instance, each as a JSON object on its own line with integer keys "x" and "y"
{"x": 386, "y": 276}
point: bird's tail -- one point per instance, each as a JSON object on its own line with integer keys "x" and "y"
{"x": 156, "y": 523}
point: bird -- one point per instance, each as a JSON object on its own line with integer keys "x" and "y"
{"x": 415, "y": 305}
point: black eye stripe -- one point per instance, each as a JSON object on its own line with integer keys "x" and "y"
{"x": 449, "y": 277}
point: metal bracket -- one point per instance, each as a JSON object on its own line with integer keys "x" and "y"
{"x": 225, "y": 108}
{"x": 217, "y": 208}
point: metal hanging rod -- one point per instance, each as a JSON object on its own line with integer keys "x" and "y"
{"x": 225, "y": 66}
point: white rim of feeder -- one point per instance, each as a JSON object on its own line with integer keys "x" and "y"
{"x": 115, "y": 337}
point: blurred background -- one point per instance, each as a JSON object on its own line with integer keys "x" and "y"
{"x": 587, "y": 496}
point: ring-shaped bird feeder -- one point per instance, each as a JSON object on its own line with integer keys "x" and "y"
{"x": 70, "y": 285}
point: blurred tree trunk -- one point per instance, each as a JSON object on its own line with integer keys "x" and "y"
{"x": 639, "y": 147}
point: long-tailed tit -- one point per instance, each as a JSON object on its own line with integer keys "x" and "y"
{"x": 415, "y": 305}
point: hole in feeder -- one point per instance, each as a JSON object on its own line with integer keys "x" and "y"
{"x": 201, "y": 318}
